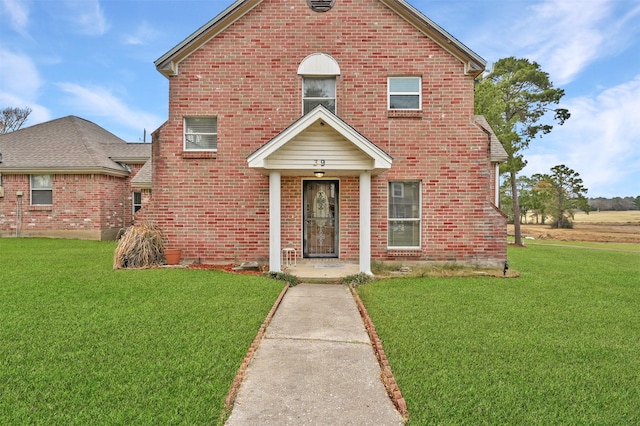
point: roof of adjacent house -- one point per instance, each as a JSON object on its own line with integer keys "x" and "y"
{"x": 69, "y": 145}
{"x": 498, "y": 153}
{"x": 144, "y": 177}
{"x": 167, "y": 64}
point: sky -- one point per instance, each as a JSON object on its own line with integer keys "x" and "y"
{"x": 94, "y": 59}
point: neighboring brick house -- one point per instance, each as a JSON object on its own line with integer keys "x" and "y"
{"x": 68, "y": 178}
{"x": 342, "y": 129}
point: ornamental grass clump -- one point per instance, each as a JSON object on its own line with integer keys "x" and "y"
{"x": 141, "y": 246}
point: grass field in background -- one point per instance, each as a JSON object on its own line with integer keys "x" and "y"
{"x": 559, "y": 345}
{"x": 83, "y": 344}
{"x": 628, "y": 216}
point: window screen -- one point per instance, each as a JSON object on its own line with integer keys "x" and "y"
{"x": 200, "y": 134}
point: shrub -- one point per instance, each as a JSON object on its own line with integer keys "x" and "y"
{"x": 141, "y": 245}
{"x": 357, "y": 279}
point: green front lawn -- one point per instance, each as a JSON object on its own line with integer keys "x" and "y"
{"x": 559, "y": 345}
{"x": 81, "y": 343}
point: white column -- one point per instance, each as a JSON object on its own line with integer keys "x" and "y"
{"x": 274, "y": 222}
{"x": 365, "y": 223}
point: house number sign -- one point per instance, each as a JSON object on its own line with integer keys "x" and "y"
{"x": 320, "y": 5}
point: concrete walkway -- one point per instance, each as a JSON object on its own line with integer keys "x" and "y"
{"x": 314, "y": 366}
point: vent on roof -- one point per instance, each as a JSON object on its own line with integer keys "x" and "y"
{"x": 320, "y": 5}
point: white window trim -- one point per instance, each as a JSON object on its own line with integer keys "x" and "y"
{"x": 418, "y": 219}
{"x": 133, "y": 201}
{"x": 31, "y": 189}
{"x": 184, "y": 135}
{"x": 389, "y": 93}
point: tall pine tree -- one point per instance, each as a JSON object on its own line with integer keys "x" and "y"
{"x": 515, "y": 98}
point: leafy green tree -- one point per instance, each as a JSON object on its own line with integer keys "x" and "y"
{"x": 515, "y": 98}
{"x": 540, "y": 197}
{"x": 566, "y": 194}
{"x": 636, "y": 202}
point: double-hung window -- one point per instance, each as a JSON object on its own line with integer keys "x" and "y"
{"x": 41, "y": 190}
{"x": 405, "y": 93}
{"x": 200, "y": 134}
{"x": 404, "y": 215}
{"x": 319, "y": 91}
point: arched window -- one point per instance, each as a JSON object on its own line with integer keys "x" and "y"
{"x": 319, "y": 72}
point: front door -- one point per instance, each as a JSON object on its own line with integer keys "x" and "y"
{"x": 320, "y": 218}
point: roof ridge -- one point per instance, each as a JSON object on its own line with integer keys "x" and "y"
{"x": 22, "y": 129}
{"x": 87, "y": 142}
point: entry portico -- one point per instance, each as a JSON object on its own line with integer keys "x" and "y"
{"x": 320, "y": 144}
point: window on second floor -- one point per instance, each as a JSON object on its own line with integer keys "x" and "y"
{"x": 200, "y": 134}
{"x": 319, "y": 91}
{"x": 41, "y": 190}
{"x": 405, "y": 93}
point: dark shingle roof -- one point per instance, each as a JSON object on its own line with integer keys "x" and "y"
{"x": 144, "y": 177}
{"x": 70, "y": 144}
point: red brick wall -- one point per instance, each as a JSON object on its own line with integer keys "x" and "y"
{"x": 216, "y": 208}
{"x": 84, "y": 206}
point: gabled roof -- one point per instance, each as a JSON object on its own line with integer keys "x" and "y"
{"x": 377, "y": 159}
{"x": 498, "y": 154}
{"x": 68, "y": 145}
{"x": 168, "y": 63}
{"x": 144, "y": 177}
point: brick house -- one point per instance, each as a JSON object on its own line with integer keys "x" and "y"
{"x": 341, "y": 129}
{"x": 69, "y": 178}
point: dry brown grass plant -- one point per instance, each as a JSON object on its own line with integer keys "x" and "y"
{"x": 141, "y": 246}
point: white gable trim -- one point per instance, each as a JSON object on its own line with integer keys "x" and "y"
{"x": 168, "y": 63}
{"x": 380, "y": 159}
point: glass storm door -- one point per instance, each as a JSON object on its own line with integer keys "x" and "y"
{"x": 320, "y": 218}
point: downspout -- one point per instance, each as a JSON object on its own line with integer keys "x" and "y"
{"x": 497, "y": 185}
{"x": 18, "y": 212}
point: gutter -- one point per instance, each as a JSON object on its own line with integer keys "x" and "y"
{"x": 65, "y": 171}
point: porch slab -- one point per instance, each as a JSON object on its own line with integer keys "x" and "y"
{"x": 312, "y": 270}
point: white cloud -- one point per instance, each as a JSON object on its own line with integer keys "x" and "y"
{"x": 87, "y": 17}
{"x": 601, "y": 141}
{"x": 17, "y": 14}
{"x": 99, "y": 101}
{"x": 143, "y": 35}
{"x": 19, "y": 75}
{"x": 565, "y": 36}
{"x": 20, "y": 85}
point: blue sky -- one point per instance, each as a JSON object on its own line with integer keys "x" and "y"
{"x": 94, "y": 59}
